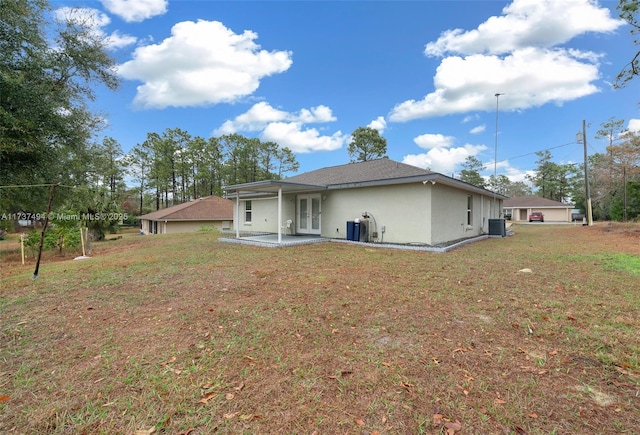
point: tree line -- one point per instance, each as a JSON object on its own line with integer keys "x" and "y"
{"x": 173, "y": 167}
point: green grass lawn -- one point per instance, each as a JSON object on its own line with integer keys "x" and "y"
{"x": 182, "y": 334}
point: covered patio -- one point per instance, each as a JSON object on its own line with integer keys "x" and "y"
{"x": 271, "y": 188}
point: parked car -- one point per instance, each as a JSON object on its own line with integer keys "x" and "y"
{"x": 536, "y": 216}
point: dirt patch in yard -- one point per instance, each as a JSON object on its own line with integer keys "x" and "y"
{"x": 183, "y": 334}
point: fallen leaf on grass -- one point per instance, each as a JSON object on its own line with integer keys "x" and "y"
{"x": 230, "y": 415}
{"x": 229, "y": 396}
{"x": 436, "y": 420}
{"x": 359, "y": 422}
{"x": 186, "y": 432}
{"x": 169, "y": 361}
{"x": 499, "y": 401}
{"x": 453, "y": 427}
{"x": 207, "y": 397}
{"x": 533, "y": 415}
{"x": 145, "y": 431}
{"x": 4, "y": 398}
{"x": 386, "y": 364}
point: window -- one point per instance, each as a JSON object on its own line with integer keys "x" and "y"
{"x": 469, "y": 210}
{"x": 247, "y": 211}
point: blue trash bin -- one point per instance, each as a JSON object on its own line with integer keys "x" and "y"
{"x": 351, "y": 230}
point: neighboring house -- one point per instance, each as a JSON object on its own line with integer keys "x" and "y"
{"x": 520, "y": 207}
{"x": 398, "y": 203}
{"x": 211, "y": 211}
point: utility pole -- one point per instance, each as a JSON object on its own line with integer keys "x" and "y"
{"x": 586, "y": 175}
{"x": 495, "y": 157}
{"x": 624, "y": 178}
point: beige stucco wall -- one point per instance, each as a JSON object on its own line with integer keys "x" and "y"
{"x": 402, "y": 209}
{"x": 550, "y": 214}
{"x": 450, "y": 214}
{"x": 411, "y": 213}
{"x": 265, "y": 214}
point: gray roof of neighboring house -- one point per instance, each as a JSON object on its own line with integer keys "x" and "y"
{"x": 206, "y": 208}
{"x": 370, "y": 170}
{"x": 533, "y": 202}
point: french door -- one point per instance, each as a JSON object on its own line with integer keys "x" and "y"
{"x": 309, "y": 213}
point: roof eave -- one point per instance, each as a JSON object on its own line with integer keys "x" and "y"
{"x": 271, "y": 186}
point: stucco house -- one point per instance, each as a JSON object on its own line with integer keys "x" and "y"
{"x": 390, "y": 202}
{"x": 210, "y": 211}
{"x": 520, "y": 207}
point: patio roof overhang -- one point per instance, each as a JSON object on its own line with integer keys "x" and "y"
{"x": 271, "y": 186}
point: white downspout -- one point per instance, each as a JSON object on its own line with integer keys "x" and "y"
{"x": 279, "y": 214}
{"x": 482, "y": 212}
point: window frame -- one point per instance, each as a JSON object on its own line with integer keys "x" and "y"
{"x": 248, "y": 212}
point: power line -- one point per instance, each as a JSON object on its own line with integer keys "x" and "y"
{"x": 534, "y": 152}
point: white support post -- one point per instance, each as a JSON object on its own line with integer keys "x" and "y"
{"x": 279, "y": 215}
{"x": 237, "y": 214}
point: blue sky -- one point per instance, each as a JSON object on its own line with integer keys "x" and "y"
{"x": 305, "y": 74}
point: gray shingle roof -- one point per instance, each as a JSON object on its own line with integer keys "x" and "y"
{"x": 370, "y": 170}
{"x": 206, "y": 208}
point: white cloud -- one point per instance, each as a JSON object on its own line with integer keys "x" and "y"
{"x": 430, "y": 141}
{"x": 117, "y": 40}
{"x": 512, "y": 173}
{"x": 443, "y": 160}
{"x": 254, "y": 119}
{"x": 287, "y": 128}
{"x": 201, "y": 63}
{"x": 527, "y": 23}
{"x": 95, "y": 21}
{"x": 136, "y": 10}
{"x": 528, "y": 78}
{"x": 300, "y": 140}
{"x": 517, "y": 54}
{"x": 478, "y": 129}
{"x": 378, "y": 124}
{"x": 261, "y": 114}
{"x": 634, "y": 125}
